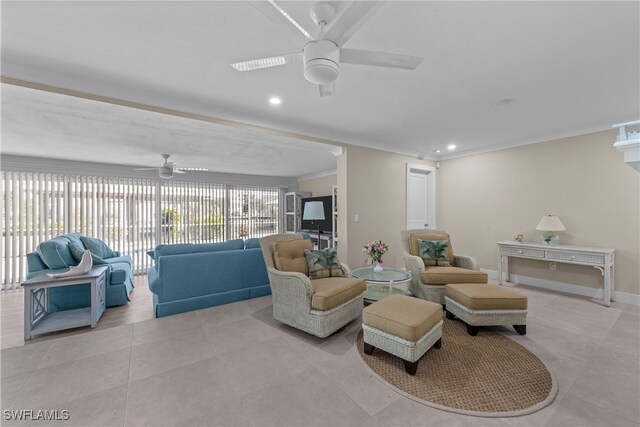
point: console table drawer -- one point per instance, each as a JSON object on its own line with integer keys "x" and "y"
{"x": 576, "y": 257}
{"x": 526, "y": 252}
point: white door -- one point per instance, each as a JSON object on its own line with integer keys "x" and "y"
{"x": 420, "y": 197}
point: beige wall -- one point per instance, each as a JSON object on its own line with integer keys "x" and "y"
{"x": 490, "y": 197}
{"x": 376, "y": 192}
{"x": 320, "y": 186}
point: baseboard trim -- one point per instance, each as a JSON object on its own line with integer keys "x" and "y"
{"x": 569, "y": 288}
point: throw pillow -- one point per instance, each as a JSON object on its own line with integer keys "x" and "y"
{"x": 434, "y": 252}
{"x": 288, "y": 255}
{"x": 98, "y": 247}
{"x": 77, "y": 253}
{"x": 51, "y": 251}
{"x": 323, "y": 263}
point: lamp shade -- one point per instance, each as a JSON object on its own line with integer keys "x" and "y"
{"x": 314, "y": 211}
{"x": 550, "y": 223}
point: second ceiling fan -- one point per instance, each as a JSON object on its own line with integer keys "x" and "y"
{"x": 322, "y": 54}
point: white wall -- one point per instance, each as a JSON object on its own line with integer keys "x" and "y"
{"x": 486, "y": 198}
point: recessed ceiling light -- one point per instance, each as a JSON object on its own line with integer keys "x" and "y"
{"x": 274, "y": 100}
{"x": 437, "y": 150}
{"x": 451, "y": 147}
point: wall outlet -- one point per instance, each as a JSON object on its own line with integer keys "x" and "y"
{"x": 356, "y": 218}
{"x": 552, "y": 266}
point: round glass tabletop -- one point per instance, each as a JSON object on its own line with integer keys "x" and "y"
{"x": 387, "y": 275}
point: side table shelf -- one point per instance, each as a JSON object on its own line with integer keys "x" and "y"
{"x": 38, "y": 318}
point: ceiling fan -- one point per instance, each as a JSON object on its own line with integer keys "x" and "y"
{"x": 167, "y": 169}
{"x": 323, "y": 53}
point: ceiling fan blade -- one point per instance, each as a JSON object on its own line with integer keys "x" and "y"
{"x": 273, "y": 61}
{"x": 178, "y": 171}
{"x": 145, "y": 169}
{"x": 326, "y": 89}
{"x": 379, "y": 59}
{"x": 281, "y": 18}
{"x": 345, "y": 25}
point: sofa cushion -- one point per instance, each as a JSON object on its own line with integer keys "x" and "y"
{"x": 289, "y": 255}
{"x": 485, "y": 297}
{"x": 123, "y": 259}
{"x": 434, "y": 252}
{"x": 55, "y": 253}
{"x": 330, "y": 292}
{"x": 98, "y": 247}
{"x": 188, "y": 248}
{"x": 445, "y": 275}
{"x": 78, "y": 252}
{"x": 75, "y": 238}
{"x": 403, "y": 316}
{"x": 413, "y": 243}
{"x": 323, "y": 263}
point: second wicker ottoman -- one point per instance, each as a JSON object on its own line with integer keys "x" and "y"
{"x": 486, "y": 305}
{"x": 403, "y": 326}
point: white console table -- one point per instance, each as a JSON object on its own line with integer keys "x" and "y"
{"x": 600, "y": 258}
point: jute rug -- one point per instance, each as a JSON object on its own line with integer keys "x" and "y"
{"x": 487, "y": 375}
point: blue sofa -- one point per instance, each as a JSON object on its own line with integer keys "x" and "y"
{"x": 189, "y": 277}
{"x": 54, "y": 254}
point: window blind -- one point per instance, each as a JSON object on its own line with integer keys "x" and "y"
{"x": 130, "y": 215}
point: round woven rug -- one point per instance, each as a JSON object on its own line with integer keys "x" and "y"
{"x": 487, "y": 375}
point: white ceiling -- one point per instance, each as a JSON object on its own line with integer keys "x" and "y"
{"x": 43, "y": 124}
{"x": 570, "y": 67}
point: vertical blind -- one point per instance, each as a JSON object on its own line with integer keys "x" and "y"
{"x": 130, "y": 215}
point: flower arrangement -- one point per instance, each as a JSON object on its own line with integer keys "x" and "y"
{"x": 375, "y": 250}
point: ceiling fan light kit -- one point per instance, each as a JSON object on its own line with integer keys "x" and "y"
{"x": 321, "y": 61}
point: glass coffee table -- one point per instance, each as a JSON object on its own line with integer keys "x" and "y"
{"x": 380, "y": 285}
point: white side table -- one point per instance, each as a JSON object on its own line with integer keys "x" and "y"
{"x": 38, "y": 319}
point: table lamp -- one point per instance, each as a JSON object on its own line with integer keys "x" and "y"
{"x": 550, "y": 224}
{"x": 314, "y": 211}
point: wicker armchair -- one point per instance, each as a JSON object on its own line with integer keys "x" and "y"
{"x": 292, "y": 295}
{"x": 428, "y": 282}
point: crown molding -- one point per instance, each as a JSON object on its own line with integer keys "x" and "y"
{"x": 317, "y": 175}
{"x": 515, "y": 144}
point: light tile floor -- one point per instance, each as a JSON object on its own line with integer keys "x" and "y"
{"x": 235, "y": 365}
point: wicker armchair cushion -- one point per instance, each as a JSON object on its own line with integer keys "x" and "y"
{"x": 487, "y": 297}
{"x": 413, "y": 243}
{"x": 405, "y": 317}
{"x": 289, "y": 255}
{"x": 445, "y": 275}
{"x": 333, "y": 291}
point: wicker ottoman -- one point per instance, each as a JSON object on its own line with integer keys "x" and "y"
{"x": 486, "y": 305}
{"x": 403, "y": 326}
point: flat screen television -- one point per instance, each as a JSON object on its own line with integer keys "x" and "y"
{"x": 325, "y": 224}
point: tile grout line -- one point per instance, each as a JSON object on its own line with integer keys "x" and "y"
{"x": 126, "y": 399}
